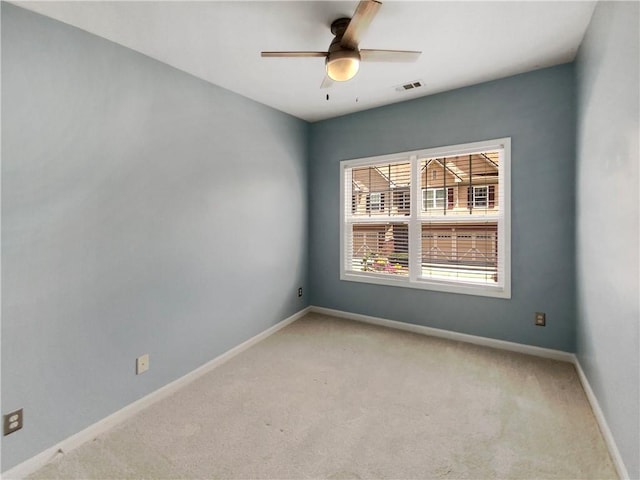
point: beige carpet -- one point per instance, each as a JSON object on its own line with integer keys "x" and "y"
{"x": 330, "y": 398}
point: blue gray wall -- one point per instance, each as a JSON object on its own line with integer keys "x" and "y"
{"x": 143, "y": 211}
{"x": 608, "y": 299}
{"x": 537, "y": 111}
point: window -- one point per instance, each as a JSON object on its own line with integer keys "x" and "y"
{"x": 375, "y": 201}
{"x": 456, "y": 239}
{"x": 402, "y": 200}
{"x": 479, "y": 197}
{"x": 432, "y": 198}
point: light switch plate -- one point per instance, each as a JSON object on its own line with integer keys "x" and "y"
{"x": 142, "y": 364}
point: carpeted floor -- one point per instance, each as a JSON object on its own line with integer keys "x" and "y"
{"x": 335, "y": 399}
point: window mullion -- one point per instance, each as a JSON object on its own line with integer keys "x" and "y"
{"x": 346, "y": 191}
{"x": 415, "y": 229}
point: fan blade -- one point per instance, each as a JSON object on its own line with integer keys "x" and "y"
{"x": 327, "y": 82}
{"x": 389, "y": 55}
{"x": 364, "y": 14}
{"x": 293, "y": 54}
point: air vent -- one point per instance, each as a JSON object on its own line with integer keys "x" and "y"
{"x": 410, "y": 86}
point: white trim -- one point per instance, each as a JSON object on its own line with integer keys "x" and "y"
{"x": 34, "y": 463}
{"x": 460, "y": 337}
{"x": 74, "y": 441}
{"x": 346, "y": 178}
{"x": 504, "y": 227}
{"x": 401, "y": 157}
{"x": 602, "y": 422}
{"x": 391, "y": 280}
{"x": 415, "y": 241}
{"x": 376, "y": 219}
{"x": 460, "y": 218}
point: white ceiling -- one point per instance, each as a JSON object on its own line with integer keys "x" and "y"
{"x": 463, "y": 43}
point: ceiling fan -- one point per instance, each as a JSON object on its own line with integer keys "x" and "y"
{"x": 342, "y": 61}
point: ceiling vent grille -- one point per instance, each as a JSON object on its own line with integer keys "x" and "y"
{"x": 410, "y": 86}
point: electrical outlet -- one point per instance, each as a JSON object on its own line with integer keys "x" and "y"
{"x": 142, "y": 364}
{"x": 12, "y": 422}
{"x": 300, "y": 291}
{"x": 541, "y": 319}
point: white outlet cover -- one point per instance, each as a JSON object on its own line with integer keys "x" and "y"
{"x": 142, "y": 364}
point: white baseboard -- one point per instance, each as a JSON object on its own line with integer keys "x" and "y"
{"x": 602, "y": 422}
{"x": 34, "y": 463}
{"x": 501, "y": 344}
{"x": 461, "y": 337}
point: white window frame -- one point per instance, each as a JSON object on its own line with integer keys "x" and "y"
{"x": 434, "y": 203}
{"x": 417, "y": 216}
{"x": 485, "y": 197}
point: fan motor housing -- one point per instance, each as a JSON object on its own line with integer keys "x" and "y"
{"x": 339, "y": 26}
{"x": 342, "y": 53}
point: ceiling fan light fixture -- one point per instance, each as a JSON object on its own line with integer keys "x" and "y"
{"x": 342, "y": 65}
{"x": 342, "y": 60}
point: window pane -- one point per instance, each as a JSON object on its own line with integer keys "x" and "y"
{"x": 382, "y": 189}
{"x": 460, "y": 176}
{"x": 439, "y": 203}
{"x": 380, "y": 248}
{"x": 427, "y": 199}
{"x": 463, "y": 252}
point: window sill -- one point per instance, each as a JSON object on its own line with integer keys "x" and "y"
{"x": 497, "y": 291}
